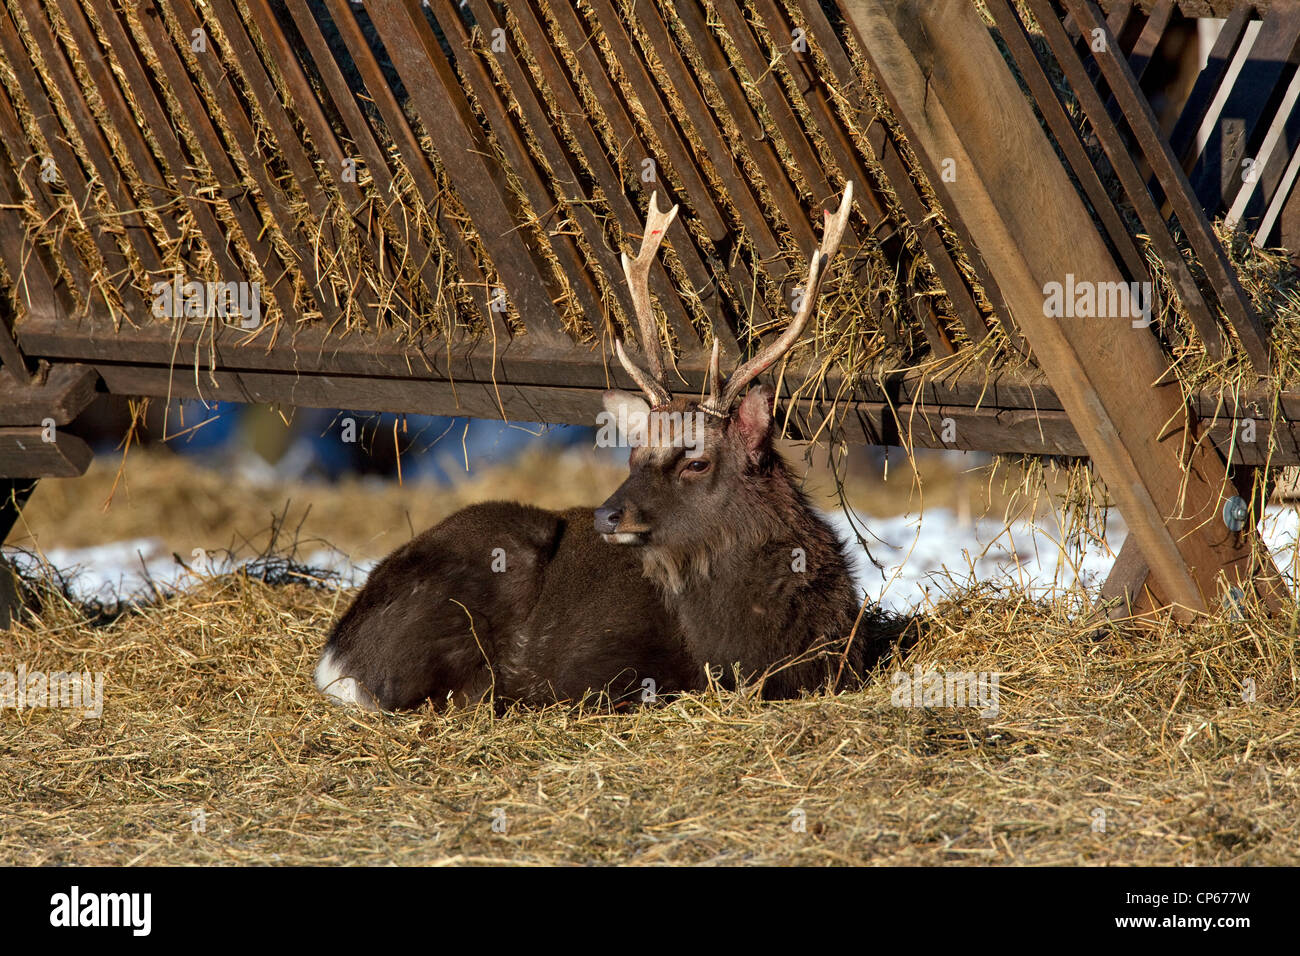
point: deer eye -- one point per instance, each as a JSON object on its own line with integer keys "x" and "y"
{"x": 697, "y": 466}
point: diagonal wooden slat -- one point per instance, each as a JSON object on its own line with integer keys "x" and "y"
{"x": 69, "y": 172}
{"x": 1218, "y": 174}
{"x": 955, "y": 97}
{"x": 1183, "y": 138}
{"x": 1189, "y": 292}
{"x": 207, "y": 140}
{"x": 678, "y": 155}
{"x": 441, "y": 105}
{"x": 1146, "y": 129}
{"x": 420, "y": 257}
{"x": 542, "y": 196}
{"x": 747, "y": 135}
{"x": 308, "y": 110}
{"x": 29, "y": 265}
{"x": 412, "y": 156}
{"x": 901, "y": 180}
{"x": 153, "y": 176}
{"x": 97, "y": 149}
{"x": 1153, "y": 32}
{"x": 1049, "y": 104}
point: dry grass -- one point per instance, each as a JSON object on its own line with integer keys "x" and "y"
{"x": 209, "y": 709}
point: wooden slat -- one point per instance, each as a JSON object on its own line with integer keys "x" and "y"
{"x": 1209, "y": 251}
{"x": 1189, "y": 292}
{"x": 307, "y": 108}
{"x": 704, "y": 206}
{"x": 160, "y": 128}
{"x": 195, "y": 118}
{"x": 1153, "y": 31}
{"x": 901, "y": 181}
{"x": 1183, "y": 138}
{"x": 408, "y": 146}
{"x": 33, "y": 271}
{"x": 1272, "y": 159}
{"x": 69, "y": 169}
{"x": 1217, "y": 176}
{"x": 98, "y": 152}
{"x": 607, "y": 178}
{"x": 421, "y": 258}
{"x": 544, "y": 198}
{"x": 436, "y": 94}
{"x": 966, "y": 105}
{"x": 845, "y": 155}
{"x": 242, "y": 55}
{"x": 1058, "y": 121}
{"x": 723, "y": 149}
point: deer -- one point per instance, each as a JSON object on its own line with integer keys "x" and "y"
{"x": 707, "y": 565}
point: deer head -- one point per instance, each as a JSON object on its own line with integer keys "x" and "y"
{"x": 700, "y": 470}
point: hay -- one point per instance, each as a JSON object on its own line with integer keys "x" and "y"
{"x": 210, "y": 724}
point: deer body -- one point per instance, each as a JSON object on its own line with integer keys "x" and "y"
{"x": 501, "y": 598}
{"x": 708, "y": 555}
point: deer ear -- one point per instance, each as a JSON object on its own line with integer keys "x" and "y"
{"x": 629, "y": 413}
{"x": 754, "y": 417}
{"x": 629, "y": 404}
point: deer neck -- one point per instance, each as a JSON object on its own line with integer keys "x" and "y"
{"x": 761, "y": 589}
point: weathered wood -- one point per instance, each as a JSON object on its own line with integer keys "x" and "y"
{"x": 966, "y": 105}
{"x": 436, "y": 94}
{"x": 1209, "y": 251}
{"x": 64, "y": 395}
{"x": 24, "y": 453}
{"x": 1126, "y": 170}
{"x": 1127, "y": 590}
{"x": 413, "y": 158}
{"x": 251, "y": 225}
{"x": 1183, "y": 138}
{"x": 569, "y": 198}
{"x": 1217, "y": 175}
{"x": 71, "y": 178}
{"x": 1058, "y": 121}
{"x": 416, "y": 256}
{"x": 677, "y": 151}
{"x": 610, "y": 182}
{"x": 13, "y": 495}
{"x": 1152, "y": 32}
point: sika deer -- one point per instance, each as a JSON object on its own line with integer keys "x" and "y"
{"x": 708, "y": 555}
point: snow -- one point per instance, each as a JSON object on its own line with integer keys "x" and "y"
{"x": 920, "y": 557}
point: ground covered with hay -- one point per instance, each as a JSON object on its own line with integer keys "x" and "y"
{"x": 1158, "y": 746}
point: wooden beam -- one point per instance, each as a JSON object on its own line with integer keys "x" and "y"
{"x": 64, "y": 395}
{"x": 964, "y": 105}
{"x": 24, "y": 453}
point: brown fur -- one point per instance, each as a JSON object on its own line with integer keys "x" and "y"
{"x": 435, "y": 620}
{"x": 730, "y": 568}
{"x": 723, "y": 546}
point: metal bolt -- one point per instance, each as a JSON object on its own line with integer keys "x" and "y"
{"x": 1235, "y": 512}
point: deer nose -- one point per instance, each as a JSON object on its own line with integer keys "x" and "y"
{"x": 607, "y": 520}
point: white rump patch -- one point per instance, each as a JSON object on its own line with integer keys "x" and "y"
{"x": 331, "y": 682}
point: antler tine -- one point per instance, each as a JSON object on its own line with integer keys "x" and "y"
{"x": 768, "y": 356}
{"x": 715, "y": 377}
{"x": 652, "y": 381}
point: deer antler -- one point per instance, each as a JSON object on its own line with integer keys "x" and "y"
{"x": 723, "y": 396}
{"x": 653, "y": 381}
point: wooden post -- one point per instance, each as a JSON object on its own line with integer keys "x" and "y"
{"x": 14, "y": 493}
{"x": 962, "y": 111}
